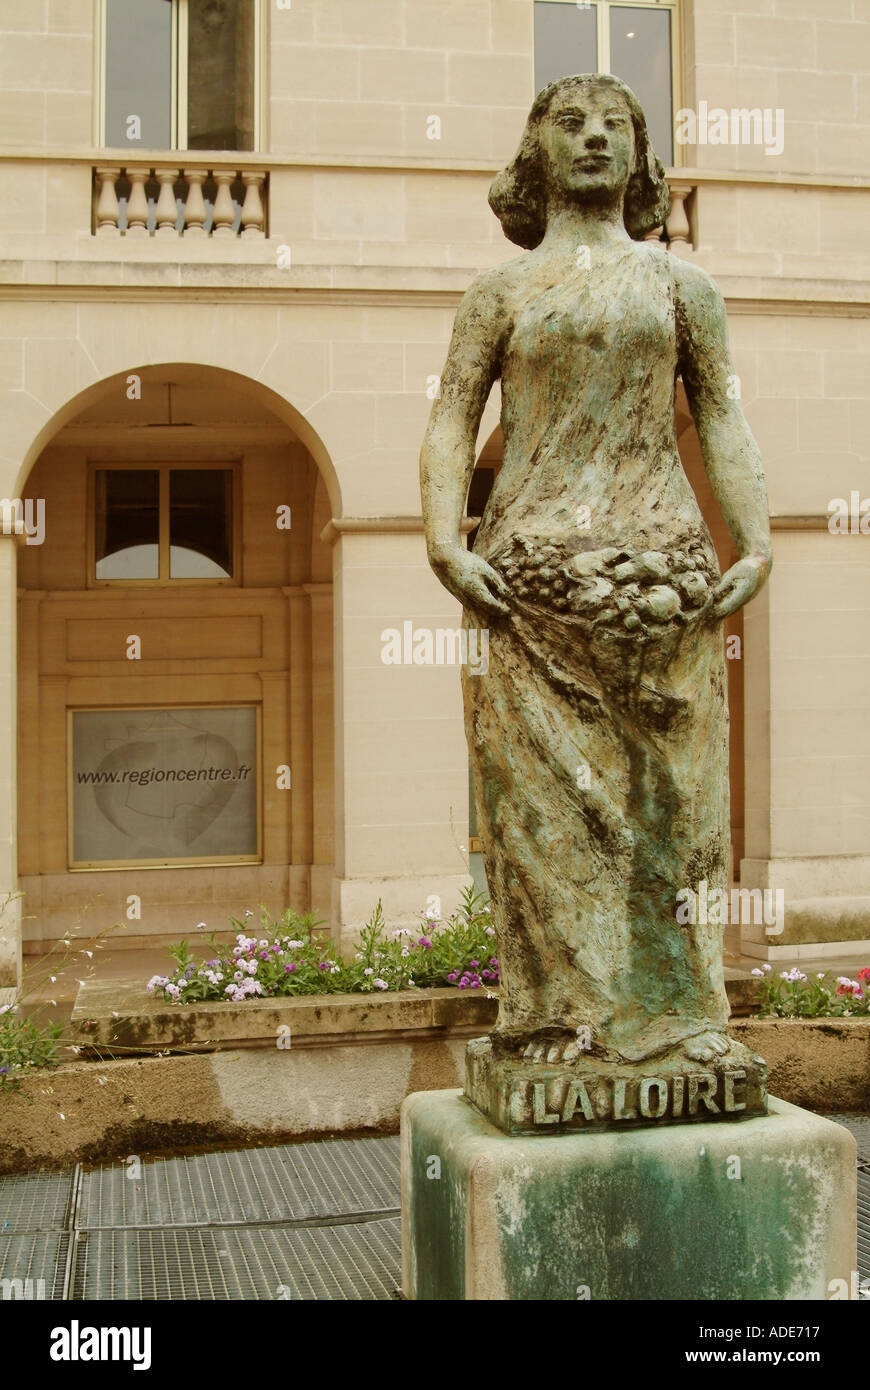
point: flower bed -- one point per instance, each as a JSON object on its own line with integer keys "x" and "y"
{"x": 792, "y": 994}
{"x": 289, "y": 958}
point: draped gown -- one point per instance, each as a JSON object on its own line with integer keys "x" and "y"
{"x": 599, "y": 735}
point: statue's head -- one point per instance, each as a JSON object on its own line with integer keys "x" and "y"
{"x": 585, "y": 141}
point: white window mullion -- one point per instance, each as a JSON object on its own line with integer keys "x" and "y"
{"x": 179, "y": 74}
{"x": 603, "y": 36}
{"x": 259, "y": 84}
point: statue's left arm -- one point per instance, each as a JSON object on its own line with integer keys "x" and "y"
{"x": 730, "y": 453}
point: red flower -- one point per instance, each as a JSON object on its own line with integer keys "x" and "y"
{"x": 864, "y": 973}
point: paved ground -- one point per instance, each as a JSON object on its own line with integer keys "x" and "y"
{"x": 314, "y": 1221}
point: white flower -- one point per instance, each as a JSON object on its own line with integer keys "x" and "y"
{"x": 293, "y": 945}
{"x": 249, "y": 913}
{"x": 757, "y": 972}
{"x": 490, "y": 931}
{"x": 368, "y": 970}
{"x": 200, "y": 925}
{"x": 820, "y": 975}
{"x": 380, "y": 984}
{"x": 405, "y": 951}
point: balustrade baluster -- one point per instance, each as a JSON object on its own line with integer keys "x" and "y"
{"x": 195, "y": 211}
{"x": 167, "y": 208}
{"x": 677, "y": 226}
{"x": 108, "y": 210}
{"x": 253, "y": 216}
{"x": 224, "y": 210}
{"x": 137, "y": 206}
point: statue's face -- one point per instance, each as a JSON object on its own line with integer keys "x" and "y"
{"x": 587, "y": 138}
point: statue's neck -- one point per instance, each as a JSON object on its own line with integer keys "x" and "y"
{"x": 573, "y": 226}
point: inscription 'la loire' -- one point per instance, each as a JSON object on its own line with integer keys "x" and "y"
{"x": 648, "y": 1097}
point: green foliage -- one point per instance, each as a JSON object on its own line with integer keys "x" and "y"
{"x": 791, "y": 994}
{"x": 24, "y": 1044}
{"x": 290, "y": 956}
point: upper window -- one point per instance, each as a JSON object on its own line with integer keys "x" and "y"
{"x": 181, "y": 74}
{"x": 162, "y": 524}
{"x": 635, "y": 42}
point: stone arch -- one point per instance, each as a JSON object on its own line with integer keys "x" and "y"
{"x": 266, "y": 396}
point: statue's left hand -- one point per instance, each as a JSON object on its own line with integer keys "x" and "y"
{"x": 738, "y": 585}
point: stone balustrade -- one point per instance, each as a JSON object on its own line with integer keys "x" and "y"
{"x": 198, "y": 200}
{"x": 678, "y": 226}
{"x": 193, "y": 201}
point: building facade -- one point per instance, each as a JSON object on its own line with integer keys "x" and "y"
{"x": 233, "y": 238}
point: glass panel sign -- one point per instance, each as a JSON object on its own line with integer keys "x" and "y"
{"x": 164, "y": 786}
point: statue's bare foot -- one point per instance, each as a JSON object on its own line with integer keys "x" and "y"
{"x": 550, "y": 1049}
{"x": 704, "y": 1047}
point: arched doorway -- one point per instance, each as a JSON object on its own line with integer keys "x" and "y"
{"x": 175, "y": 668}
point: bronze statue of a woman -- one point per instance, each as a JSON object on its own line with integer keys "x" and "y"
{"x": 599, "y": 735}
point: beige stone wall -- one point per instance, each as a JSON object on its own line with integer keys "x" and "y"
{"x": 385, "y": 229}
{"x": 810, "y": 59}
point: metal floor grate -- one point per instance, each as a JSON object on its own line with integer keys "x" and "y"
{"x": 295, "y": 1221}
{"x": 40, "y": 1257}
{"x": 864, "y": 1223}
{"x": 291, "y": 1182}
{"x": 360, "y": 1261}
{"x": 35, "y": 1201}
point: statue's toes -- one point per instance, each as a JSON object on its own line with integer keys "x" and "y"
{"x": 572, "y": 1052}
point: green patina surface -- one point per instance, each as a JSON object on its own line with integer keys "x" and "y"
{"x": 644, "y": 1215}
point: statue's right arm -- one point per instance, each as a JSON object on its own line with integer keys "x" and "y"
{"x": 448, "y": 455}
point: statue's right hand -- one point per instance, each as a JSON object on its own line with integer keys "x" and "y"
{"x": 470, "y": 579}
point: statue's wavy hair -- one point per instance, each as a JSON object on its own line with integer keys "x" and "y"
{"x": 518, "y": 195}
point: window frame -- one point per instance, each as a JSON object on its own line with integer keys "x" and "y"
{"x": 178, "y": 105}
{"x": 603, "y": 8}
{"x": 164, "y": 467}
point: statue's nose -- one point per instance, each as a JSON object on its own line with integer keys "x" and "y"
{"x": 596, "y": 140}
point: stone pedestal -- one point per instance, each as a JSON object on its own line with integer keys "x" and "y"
{"x": 759, "y": 1208}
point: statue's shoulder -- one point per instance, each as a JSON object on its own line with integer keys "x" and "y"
{"x": 694, "y": 289}
{"x": 498, "y": 285}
